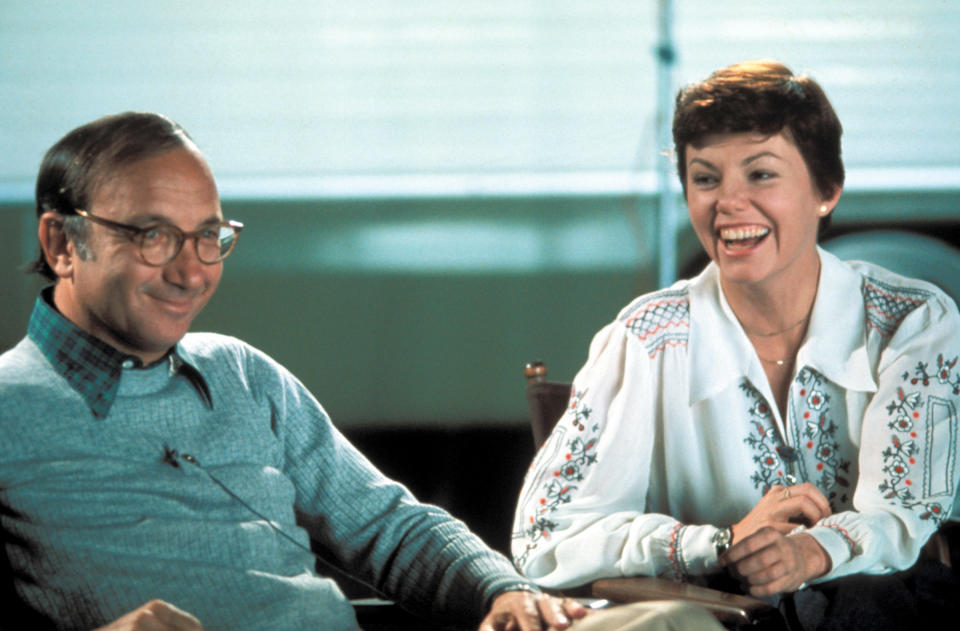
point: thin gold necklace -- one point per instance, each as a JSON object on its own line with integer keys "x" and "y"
{"x": 778, "y": 362}
{"x": 782, "y": 362}
{"x": 792, "y": 326}
{"x": 781, "y": 331}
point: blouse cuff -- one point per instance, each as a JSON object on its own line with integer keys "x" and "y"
{"x": 691, "y": 551}
{"x": 837, "y": 543}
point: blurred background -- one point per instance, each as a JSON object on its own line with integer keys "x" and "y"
{"x": 437, "y": 192}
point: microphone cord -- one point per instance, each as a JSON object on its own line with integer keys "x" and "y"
{"x": 172, "y": 458}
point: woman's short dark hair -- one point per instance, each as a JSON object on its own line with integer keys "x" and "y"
{"x": 767, "y": 98}
{"x": 79, "y": 163}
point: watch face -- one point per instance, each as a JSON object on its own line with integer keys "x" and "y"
{"x": 721, "y": 540}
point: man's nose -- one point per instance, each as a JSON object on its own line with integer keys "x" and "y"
{"x": 186, "y": 269}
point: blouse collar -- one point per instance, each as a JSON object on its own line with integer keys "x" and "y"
{"x": 835, "y": 344}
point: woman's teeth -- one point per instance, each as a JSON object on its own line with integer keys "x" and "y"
{"x": 743, "y": 237}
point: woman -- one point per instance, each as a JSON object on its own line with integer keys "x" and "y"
{"x": 785, "y": 417}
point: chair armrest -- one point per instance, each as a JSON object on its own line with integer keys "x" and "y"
{"x": 731, "y": 610}
{"x": 375, "y": 614}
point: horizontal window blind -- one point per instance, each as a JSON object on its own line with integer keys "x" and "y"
{"x": 397, "y": 95}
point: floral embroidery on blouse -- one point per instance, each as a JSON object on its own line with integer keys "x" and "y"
{"x": 579, "y": 455}
{"x": 900, "y": 457}
{"x": 887, "y": 305}
{"x": 660, "y": 320}
{"x": 944, "y": 374}
{"x": 819, "y": 439}
{"x": 819, "y": 458}
{"x": 764, "y": 441}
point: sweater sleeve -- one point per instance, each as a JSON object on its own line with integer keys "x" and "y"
{"x": 581, "y": 513}
{"x": 910, "y": 439}
{"x": 414, "y": 553}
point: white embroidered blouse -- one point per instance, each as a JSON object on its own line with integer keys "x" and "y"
{"x": 672, "y": 432}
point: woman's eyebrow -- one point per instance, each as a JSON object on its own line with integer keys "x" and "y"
{"x": 757, "y": 156}
{"x": 702, "y": 162}
{"x": 746, "y": 161}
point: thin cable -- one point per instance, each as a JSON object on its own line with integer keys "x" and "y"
{"x": 169, "y": 458}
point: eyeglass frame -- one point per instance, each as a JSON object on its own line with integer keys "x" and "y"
{"x": 135, "y": 234}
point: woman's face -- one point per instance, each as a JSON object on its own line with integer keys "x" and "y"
{"x": 755, "y": 207}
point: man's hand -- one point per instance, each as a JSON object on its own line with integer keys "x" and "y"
{"x": 783, "y": 508}
{"x": 156, "y": 615}
{"x": 772, "y": 563}
{"x": 525, "y": 611}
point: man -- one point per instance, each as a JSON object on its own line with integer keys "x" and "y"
{"x": 151, "y": 478}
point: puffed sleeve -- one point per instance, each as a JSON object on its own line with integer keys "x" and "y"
{"x": 581, "y": 513}
{"x": 909, "y": 444}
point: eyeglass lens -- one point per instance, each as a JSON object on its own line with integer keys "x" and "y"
{"x": 162, "y": 244}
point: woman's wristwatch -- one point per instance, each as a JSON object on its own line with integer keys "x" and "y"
{"x": 722, "y": 539}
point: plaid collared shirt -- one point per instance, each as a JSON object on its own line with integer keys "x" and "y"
{"x": 92, "y": 367}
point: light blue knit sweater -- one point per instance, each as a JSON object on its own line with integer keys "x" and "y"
{"x": 101, "y": 520}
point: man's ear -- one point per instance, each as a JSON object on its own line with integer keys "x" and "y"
{"x": 58, "y": 251}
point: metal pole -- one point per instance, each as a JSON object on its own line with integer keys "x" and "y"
{"x": 667, "y": 212}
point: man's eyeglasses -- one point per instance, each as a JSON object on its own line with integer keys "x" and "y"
{"x": 161, "y": 243}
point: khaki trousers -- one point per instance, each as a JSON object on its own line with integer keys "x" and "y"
{"x": 655, "y": 615}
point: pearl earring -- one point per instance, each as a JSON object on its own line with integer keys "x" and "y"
{"x": 823, "y": 209}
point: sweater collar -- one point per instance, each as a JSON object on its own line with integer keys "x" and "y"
{"x": 835, "y": 344}
{"x": 91, "y": 366}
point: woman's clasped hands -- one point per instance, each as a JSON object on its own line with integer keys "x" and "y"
{"x": 764, "y": 555}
